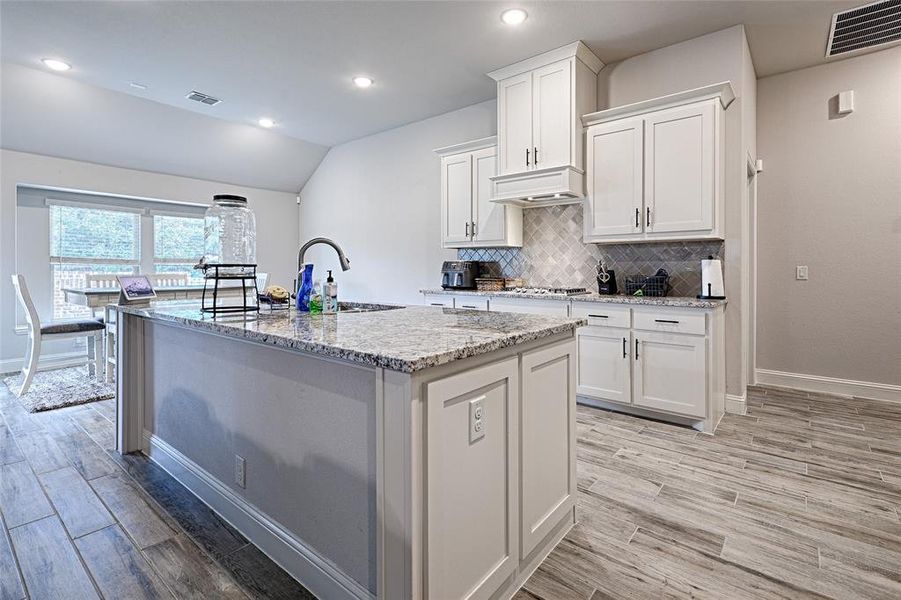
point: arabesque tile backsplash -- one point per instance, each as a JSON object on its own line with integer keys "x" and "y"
{"x": 554, "y": 255}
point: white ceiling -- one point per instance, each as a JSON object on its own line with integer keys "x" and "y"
{"x": 293, "y": 61}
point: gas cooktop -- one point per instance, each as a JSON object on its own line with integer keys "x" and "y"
{"x": 548, "y": 291}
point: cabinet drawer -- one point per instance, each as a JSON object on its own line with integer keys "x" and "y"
{"x": 439, "y": 300}
{"x": 671, "y": 322}
{"x": 530, "y": 306}
{"x": 471, "y": 302}
{"x": 603, "y": 314}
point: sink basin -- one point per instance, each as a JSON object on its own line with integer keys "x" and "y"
{"x": 361, "y": 307}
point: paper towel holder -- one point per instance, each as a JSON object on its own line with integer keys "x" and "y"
{"x": 708, "y": 285}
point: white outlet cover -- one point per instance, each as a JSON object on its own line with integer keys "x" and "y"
{"x": 801, "y": 273}
{"x": 240, "y": 471}
{"x": 476, "y": 419}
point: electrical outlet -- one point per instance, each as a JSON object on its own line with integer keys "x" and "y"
{"x": 801, "y": 273}
{"x": 476, "y": 419}
{"x": 240, "y": 471}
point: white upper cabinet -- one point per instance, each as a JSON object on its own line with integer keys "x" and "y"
{"x": 468, "y": 217}
{"x": 456, "y": 192}
{"x": 655, "y": 168}
{"x": 680, "y": 168}
{"x": 514, "y": 99}
{"x": 540, "y": 141}
{"x": 552, "y": 116}
{"x": 614, "y": 202}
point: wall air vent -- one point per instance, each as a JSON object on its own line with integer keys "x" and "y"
{"x": 209, "y": 100}
{"x": 864, "y": 27}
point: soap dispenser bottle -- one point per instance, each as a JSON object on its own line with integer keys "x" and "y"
{"x": 306, "y": 288}
{"x": 330, "y": 295}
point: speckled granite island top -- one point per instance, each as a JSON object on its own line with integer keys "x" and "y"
{"x": 674, "y": 301}
{"x": 405, "y": 339}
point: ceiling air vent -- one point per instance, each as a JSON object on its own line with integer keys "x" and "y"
{"x": 867, "y": 26}
{"x": 209, "y": 100}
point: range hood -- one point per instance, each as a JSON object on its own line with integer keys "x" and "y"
{"x": 539, "y": 187}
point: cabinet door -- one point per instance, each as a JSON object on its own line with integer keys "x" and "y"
{"x": 472, "y": 491}
{"x": 680, "y": 169}
{"x": 514, "y": 125}
{"x": 670, "y": 372}
{"x": 604, "y": 364}
{"x": 489, "y": 218}
{"x": 530, "y": 306}
{"x": 456, "y": 199}
{"x": 552, "y": 117}
{"x": 438, "y": 300}
{"x": 548, "y": 441}
{"x": 615, "y": 156}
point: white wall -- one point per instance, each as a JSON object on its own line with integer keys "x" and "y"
{"x": 276, "y": 216}
{"x": 713, "y": 58}
{"x": 830, "y": 198}
{"x": 379, "y": 198}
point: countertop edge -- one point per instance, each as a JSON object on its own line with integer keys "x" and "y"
{"x": 671, "y": 301}
{"x": 356, "y": 356}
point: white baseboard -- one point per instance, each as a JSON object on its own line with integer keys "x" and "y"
{"x": 46, "y": 362}
{"x": 315, "y": 572}
{"x": 830, "y": 385}
{"x": 736, "y": 405}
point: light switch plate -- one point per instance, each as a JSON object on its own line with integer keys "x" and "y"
{"x": 476, "y": 419}
{"x": 801, "y": 273}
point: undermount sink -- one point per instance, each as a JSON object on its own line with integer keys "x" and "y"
{"x": 361, "y": 307}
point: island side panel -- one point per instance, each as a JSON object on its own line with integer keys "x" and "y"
{"x": 305, "y": 426}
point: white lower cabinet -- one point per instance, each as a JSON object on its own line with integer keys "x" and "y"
{"x": 438, "y": 300}
{"x": 472, "y": 537}
{"x": 498, "y": 492}
{"x": 668, "y": 361}
{"x": 604, "y": 364}
{"x": 671, "y": 373}
{"x": 548, "y": 442}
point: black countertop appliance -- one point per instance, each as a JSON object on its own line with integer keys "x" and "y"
{"x": 459, "y": 274}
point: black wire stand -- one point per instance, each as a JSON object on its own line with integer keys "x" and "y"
{"x": 219, "y": 272}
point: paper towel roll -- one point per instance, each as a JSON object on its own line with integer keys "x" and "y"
{"x": 712, "y": 278}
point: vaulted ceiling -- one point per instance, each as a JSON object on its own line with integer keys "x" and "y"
{"x": 293, "y": 62}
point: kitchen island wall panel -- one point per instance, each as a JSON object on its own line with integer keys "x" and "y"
{"x": 311, "y": 428}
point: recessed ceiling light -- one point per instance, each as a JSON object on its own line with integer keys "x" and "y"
{"x": 514, "y": 16}
{"x": 137, "y": 86}
{"x": 362, "y": 81}
{"x": 56, "y": 65}
{"x": 266, "y": 122}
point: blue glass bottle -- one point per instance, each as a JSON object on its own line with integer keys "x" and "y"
{"x": 305, "y": 289}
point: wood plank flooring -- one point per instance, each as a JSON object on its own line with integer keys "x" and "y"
{"x": 798, "y": 499}
{"x": 80, "y": 521}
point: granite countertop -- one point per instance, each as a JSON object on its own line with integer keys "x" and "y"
{"x": 405, "y": 339}
{"x": 674, "y": 301}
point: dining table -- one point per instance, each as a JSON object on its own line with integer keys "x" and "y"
{"x": 96, "y": 298}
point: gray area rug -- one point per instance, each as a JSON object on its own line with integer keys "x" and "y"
{"x": 59, "y": 388}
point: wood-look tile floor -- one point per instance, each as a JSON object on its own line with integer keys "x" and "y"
{"x": 80, "y": 521}
{"x": 798, "y": 499}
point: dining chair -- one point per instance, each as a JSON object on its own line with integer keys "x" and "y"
{"x": 55, "y": 330}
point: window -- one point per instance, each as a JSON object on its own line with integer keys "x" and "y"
{"x": 90, "y": 240}
{"x": 117, "y": 239}
{"x": 177, "y": 244}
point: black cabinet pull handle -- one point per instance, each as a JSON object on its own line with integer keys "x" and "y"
{"x": 527, "y": 157}
{"x": 465, "y": 306}
{"x": 437, "y": 304}
{"x": 665, "y": 321}
{"x": 624, "y": 347}
{"x": 648, "y": 223}
{"x": 535, "y": 155}
{"x": 636, "y": 218}
{"x": 599, "y": 316}
{"x": 636, "y": 348}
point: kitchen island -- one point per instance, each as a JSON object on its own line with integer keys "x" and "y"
{"x": 382, "y": 452}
